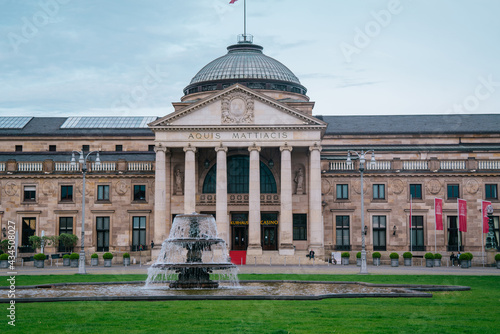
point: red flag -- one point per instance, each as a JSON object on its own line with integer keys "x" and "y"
{"x": 438, "y": 209}
{"x": 462, "y": 215}
{"x": 232, "y": 1}
{"x": 486, "y": 225}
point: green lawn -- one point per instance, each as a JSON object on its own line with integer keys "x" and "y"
{"x": 474, "y": 311}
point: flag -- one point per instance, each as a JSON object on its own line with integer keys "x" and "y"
{"x": 438, "y": 210}
{"x": 232, "y": 1}
{"x": 486, "y": 225}
{"x": 462, "y": 215}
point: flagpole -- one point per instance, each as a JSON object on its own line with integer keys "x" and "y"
{"x": 458, "y": 224}
{"x": 482, "y": 231}
{"x": 435, "y": 226}
{"x": 245, "y": 19}
{"x": 411, "y": 225}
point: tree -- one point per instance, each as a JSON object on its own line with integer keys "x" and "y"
{"x": 35, "y": 241}
{"x": 68, "y": 241}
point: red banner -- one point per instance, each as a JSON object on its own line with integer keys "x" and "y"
{"x": 232, "y": 1}
{"x": 486, "y": 226}
{"x": 438, "y": 210}
{"x": 462, "y": 215}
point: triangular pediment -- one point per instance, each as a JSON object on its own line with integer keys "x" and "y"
{"x": 237, "y": 106}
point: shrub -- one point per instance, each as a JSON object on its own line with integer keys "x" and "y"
{"x": 407, "y": 255}
{"x": 126, "y": 255}
{"x": 5, "y": 256}
{"x": 358, "y": 255}
{"x": 1, "y": 252}
{"x": 35, "y": 241}
{"x": 429, "y": 256}
{"x": 464, "y": 256}
{"x": 4, "y": 245}
{"x": 345, "y": 254}
{"x": 39, "y": 257}
{"x": 438, "y": 256}
{"x": 497, "y": 257}
{"x": 394, "y": 256}
{"x": 94, "y": 256}
{"x": 66, "y": 256}
{"x": 470, "y": 255}
{"x": 67, "y": 240}
{"x": 107, "y": 256}
{"x": 376, "y": 255}
{"x": 74, "y": 256}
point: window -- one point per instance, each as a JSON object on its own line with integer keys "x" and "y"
{"x": 118, "y": 148}
{"x": 65, "y": 226}
{"x": 416, "y": 191}
{"x": 29, "y": 228}
{"x": 19, "y": 148}
{"x": 342, "y": 229}
{"x": 103, "y": 192}
{"x": 52, "y": 148}
{"x": 66, "y": 193}
{"x": 139, "y": 192}
{"x": 299, "y": 226}
{"x": 29, "y": 193}
{"x": 379, "y": 191}
{"x": 151, "y": 148}
{"x": 342, "y": 191}
{"x": 138, "y": 233}
{"x": 417, "y": 233}
{"x": 453, "y": 234}
{"x": 453, "y": 191}
{"x": 85, "y": 148}
{"x": 491, "y": 191}
{"x": 496, "y": 230}
{"x": 102, "y": 229}
{"x": 379, "y": 232}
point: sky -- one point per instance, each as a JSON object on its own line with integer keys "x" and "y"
{"x": 363, "y": 57}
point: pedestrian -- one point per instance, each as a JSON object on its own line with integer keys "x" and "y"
{"x": 452, "y": 259}
{"x": 458, "y": 258}
{"x": 311, "y": 254}
{"x": 152, "y": 244}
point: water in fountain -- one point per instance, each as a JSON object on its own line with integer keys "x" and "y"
{"x": 193, "y": 256}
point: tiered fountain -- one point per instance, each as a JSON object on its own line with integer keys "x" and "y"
{"x": 191, "y": 254}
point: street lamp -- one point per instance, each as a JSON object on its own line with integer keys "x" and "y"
{"x": 490, "y": 237}
{"x": 362, "y": 161}
{"x": 83, "y": 161}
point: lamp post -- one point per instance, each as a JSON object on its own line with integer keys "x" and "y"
{"x": 83, "y": 161}
{"x": 362, "y": 161}
{"x": 490, "y": 237}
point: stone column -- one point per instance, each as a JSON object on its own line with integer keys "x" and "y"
{"x": 190, "y": 180}
{"x": 161, "y": 190}
{"x": 286, "y": 216}
{"x": 221, "y": 195}
{"x": 315, "y": 209}
{"x": 254, "y": 243}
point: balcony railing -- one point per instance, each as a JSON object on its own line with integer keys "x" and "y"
{"x": 140, "y": 166}
{"x": 30, "y": 166}
{"x": 49, "y": 166}
{"x": 415, "y": 165}
{"x": 452, "y": 164}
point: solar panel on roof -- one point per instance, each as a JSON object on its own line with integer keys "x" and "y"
{"x": 14, "y": 122}
{"x": 107, "y": 122}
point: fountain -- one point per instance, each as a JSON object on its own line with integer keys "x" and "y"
{"x": 191, "y": 254}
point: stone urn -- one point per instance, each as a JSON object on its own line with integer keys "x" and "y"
{"x": 408, "y": 262}
{"x": 376, "y": 261}
{"x": 429, "y": 262}
{"x": 358, "y": 262}
{"x": 74, "y": 263}
{"x": 394, "y": 262}
{"x": 345, "y": 261}
{"x": 126, "y": 261}
{"x": 498, "y": 264}
{"x": 437, "y": 262}
{"x": 94, "y": 261}
{"x": 39, "y": 263}
{"x": 107, "y": 262}
{"x": 4, "y": 264}
{"x": 66, "y": 261}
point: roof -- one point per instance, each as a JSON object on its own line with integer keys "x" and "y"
{"x": 53, "y": 127}
{"x": 412, "y": 124}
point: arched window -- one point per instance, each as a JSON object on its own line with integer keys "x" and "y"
{"x": 238, "y": 177}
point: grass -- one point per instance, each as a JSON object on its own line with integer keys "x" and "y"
{"x": 474, "y": 311}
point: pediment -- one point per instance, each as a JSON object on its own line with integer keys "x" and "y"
{"x": 237, "y": 106}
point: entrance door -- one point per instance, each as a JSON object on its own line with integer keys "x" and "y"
{"x": 239, "y": 237}
{"x": 269, "y": 240}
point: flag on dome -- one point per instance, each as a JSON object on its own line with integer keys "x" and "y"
{"x": 232, "y": 1}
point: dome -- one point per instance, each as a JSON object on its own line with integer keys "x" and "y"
{"x": 245, "y": 64}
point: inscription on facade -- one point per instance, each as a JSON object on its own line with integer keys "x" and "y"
{"x": 237, "y": 135}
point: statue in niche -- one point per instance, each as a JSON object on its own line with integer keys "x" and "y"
{"x": 178, "y": 182}
{"x": 299, "y": 179}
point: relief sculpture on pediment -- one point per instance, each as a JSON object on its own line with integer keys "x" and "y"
{"x": 237, "y": 108}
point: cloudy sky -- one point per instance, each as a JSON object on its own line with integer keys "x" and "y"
{"x": 112, "y": 57}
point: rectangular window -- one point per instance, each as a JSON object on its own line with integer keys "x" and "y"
{"x": 19, "y": 148}
{"x": 379, "y": 191}
{"x": 52, "y": 148}
{"x": 454, "y": 234}
{"x": 416, "y": 191}
{"x": 151, "y": 148}
{"x": 417, "y": 233}
{"x": 342, "y": 191}
{"x": 102, "y": 231}
{"x": 86, "y": 148}
{"x": 299, "y": 226}
{"x": 379, "y": 233}
{"x": 453, "y": 191}
{"x": 496, "y": 230}
{"x": 138, "y": 233}
{"x": 139, "y": 192}
{"x": 28, "y": 229}
{"x": 118, "y": 148}
{"x": 65, "y": 226}
{"x": 29, "y": 193}
{"x": 66, "y": 193}
{"x": 491, "y": 191}
{"x": 103, "y": 192}
{"x": 342, "y": 231}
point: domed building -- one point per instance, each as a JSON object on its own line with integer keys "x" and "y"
{"x": 242, "y": 144}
